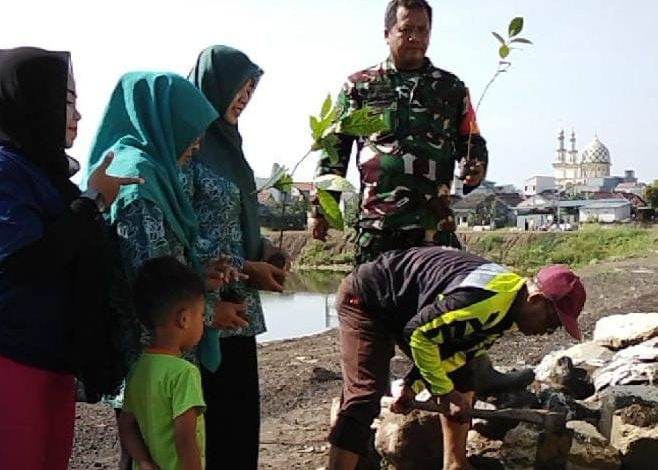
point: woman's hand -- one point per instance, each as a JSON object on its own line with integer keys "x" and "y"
{"x": 276, "y": 256}
{"x": 108, "y": 185}
{"x": 220, "y": 271}
{"x": 230, "y": 316}
{"x": 264, "y": 276}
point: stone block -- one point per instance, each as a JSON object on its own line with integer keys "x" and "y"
{"x": 590, "y": 450}
{"x": 630, "y": 420}
{"x": 621, "y": 331}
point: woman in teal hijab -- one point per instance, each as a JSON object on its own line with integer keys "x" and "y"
{"x": 226, "y": 205}
{"x": 153, "y": 124}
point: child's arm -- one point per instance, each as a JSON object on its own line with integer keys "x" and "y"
{"x": 132, "y": 441}
{"x": 187, "y": 446}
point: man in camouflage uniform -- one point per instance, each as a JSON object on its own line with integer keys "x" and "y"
{"x": 406, "y": 171}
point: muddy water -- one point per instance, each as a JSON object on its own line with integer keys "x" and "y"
{"x": 305, "y": 308}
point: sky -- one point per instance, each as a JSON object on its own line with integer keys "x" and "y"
{"x": 592, "y": 68}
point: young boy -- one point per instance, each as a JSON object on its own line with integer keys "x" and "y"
{"x": 162, "y": 424}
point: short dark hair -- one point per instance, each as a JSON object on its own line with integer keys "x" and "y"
{"x": 162, "y": 287}
{"x": 391, "y": 16}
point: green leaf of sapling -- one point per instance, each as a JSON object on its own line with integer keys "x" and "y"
{"x": 284, "y": 183}
{"x": 330, "y": 209}
{"x": 362, "y": 122}
{"x": 515, "y": 26}
{"x": 333, "y": 183}
{"x": 498, "y": 36}
{"x": 315, "y": 127}
{"x": 521, "y": 40}
{"x": 329, "y": 144}
{"x": 326, "y": 106}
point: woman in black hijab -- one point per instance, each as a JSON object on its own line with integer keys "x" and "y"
{"x": 48, "y": 234}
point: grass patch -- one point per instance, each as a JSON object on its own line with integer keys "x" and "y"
{"x": 317, "y": 253}
{"x": 528, "y": 252}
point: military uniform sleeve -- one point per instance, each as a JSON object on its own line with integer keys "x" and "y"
{"x": 444, "y": 321}
{"x": 469, "y": 130}
{"x": 345, "y": 105}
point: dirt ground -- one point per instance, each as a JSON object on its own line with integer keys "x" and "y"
{"x": 300, "y": 377}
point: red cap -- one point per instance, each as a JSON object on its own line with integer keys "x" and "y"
{"x": 562, "y": 287}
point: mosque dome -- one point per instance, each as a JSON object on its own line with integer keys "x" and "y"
{"x": 596, "y": 152}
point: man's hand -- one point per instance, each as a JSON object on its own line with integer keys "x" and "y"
{"x": 455, "y": 405}
{"x": 108, "y": 185}
{"x": 404, "y": 404}
{"x": 264, "y": 276}
{"x": 220, "y": 271}
{"x": 230, "y": 316}
{"x": 318, "y": 227}
{"x": 474, "y": 173}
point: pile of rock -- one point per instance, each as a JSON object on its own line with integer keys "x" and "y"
{"x": 608, "y": 387}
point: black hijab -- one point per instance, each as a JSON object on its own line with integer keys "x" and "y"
{"x": 33, "y": 88}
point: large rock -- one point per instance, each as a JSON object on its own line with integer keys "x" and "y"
{"x": 563, "y": 376}
{"x": 410, "y": 442}
{"x": 590, "y": 450}
{"x": 481, "y": 445}
{"x": 645, "y": 352}
{"x": 629, "y": 418}
{"x": 620, "y": 331}
{"x": 634, "y": 365}
{"x": 589, "y": 356}
{"x": 519, "y": 448}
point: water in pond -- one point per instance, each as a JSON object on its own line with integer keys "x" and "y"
{"x": 306, "y": 308}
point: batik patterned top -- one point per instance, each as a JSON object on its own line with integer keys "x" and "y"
{"x": 217, "y": 204}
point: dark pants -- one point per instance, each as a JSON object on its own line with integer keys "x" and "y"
{"x": 372, "y": 243}
{"x": 366, "y": 349}
{"x": 233, "y": 407}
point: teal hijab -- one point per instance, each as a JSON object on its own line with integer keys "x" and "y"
{"x": 152, "y": 118}
{"x": 220, "y": 72}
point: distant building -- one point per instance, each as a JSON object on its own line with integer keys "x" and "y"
{"x": 538, "y": 184}
{"x": 490, "y": 209}
{"x": 606, "y": 211}
{"x": 544, "y": 210}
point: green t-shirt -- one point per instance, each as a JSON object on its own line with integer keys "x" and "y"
{"x": 159, "y": 388}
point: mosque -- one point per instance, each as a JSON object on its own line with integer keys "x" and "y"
{"x": 570, "y": 170}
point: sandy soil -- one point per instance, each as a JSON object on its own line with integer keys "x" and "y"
{"x": 300, "y": 377}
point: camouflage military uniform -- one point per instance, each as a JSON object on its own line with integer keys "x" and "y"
{"x": 406, "y": 171}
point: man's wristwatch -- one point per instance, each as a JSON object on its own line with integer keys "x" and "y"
{"x": 97, "y": 197}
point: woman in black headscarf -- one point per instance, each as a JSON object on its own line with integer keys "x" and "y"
{"x": 50, "y": 282}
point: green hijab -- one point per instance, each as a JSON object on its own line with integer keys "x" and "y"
{"x": 152, "y": 118}
{"x": 220, "y": 72}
